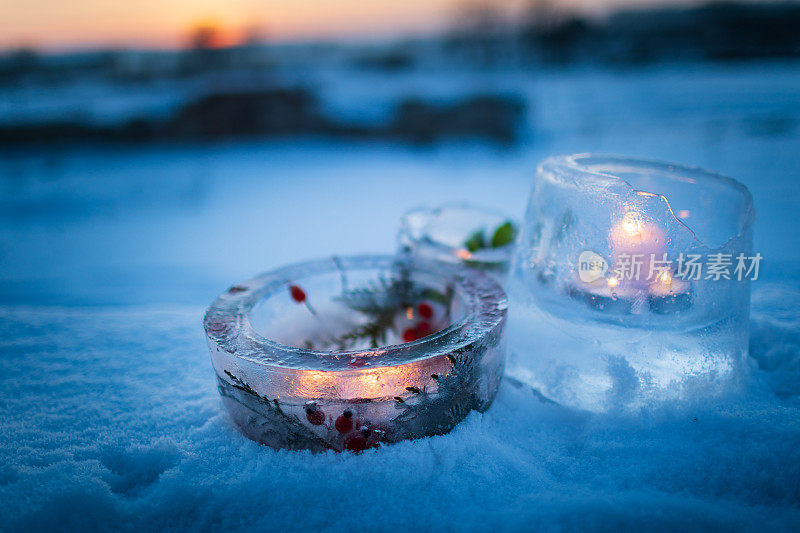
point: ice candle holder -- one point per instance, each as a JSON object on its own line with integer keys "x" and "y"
{"x": 475, "y": 236}
{"x": 348, "y": 353}
{"x": 630, "y": 282}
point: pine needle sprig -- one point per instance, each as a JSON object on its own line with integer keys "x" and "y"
{"x": 376, "y": 332}
{"x": 380, "y": 301}
{"x": 456, "y": 395}
{"x": 269, "y": 419}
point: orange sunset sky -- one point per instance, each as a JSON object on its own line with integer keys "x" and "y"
{"x": 158, "y": 23}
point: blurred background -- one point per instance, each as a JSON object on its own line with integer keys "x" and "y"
{"x": 157, "y": 152}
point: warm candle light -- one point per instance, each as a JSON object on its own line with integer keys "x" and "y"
{"x": 666, "y": 284}
{"x": 632, "y": 224}
{"x": 633, "y": 235}
{"x": 636, "y": 238}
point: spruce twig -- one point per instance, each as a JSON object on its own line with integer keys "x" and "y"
{"x": 275, "y": 424}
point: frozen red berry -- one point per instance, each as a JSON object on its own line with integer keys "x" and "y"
{"x": 355, "y": 442}
{"x": 344, "y": 423}
{"x": 425, "y": 310}
{"x": 423, "y": 330}
{"x": 410, "y": 334}
{"x": 317, "y": 418}
{"x": 357, "y": 362}
{"x": 298, "y": 294}
{"x": 314, "y": 414}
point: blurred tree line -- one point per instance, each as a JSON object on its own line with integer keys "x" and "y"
{"x": 543, "y": 32}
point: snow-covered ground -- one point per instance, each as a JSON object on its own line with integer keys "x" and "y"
{"x": 110, "y": 415}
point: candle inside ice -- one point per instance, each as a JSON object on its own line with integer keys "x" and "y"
{"x": 603, "y": 313}
{"x": 353, "y": 353}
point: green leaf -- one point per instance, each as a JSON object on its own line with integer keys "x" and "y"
{"x": 476, "y": 241}
{"x": 436, "y": 296}
{"x": 503, "y": 235}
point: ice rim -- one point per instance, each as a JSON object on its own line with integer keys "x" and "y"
{"x": 410, "y": 236}
{"x": 227, "y": 324}
{"x": 593, "y": 170}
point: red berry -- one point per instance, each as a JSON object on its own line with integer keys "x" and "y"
{"x": 317, "y": 418}
{"x": 425, "y": 310}
{"x": 355, "y": 442}
{"x": 345, "y": 422}
{"x": 409, "y": 335}
{"x": 298, "y": 294}
{"x": 314, "y": 414}
{"x": 423, "y": 330}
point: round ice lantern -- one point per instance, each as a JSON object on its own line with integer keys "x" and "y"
{"x": 351, "y": 353}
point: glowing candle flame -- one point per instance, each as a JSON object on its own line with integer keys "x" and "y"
{"x": 634, "y": 235}
{"x": 632, "y": 224}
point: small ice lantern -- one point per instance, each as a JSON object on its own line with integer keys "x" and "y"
{"x": 475, "y": 236}
{"x": 350, "y": 353}
{"x": 630, "y": 282}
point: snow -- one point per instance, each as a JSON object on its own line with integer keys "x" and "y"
{"x": 110, "y": 414}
